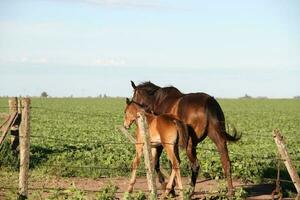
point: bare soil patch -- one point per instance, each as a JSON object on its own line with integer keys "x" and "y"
{"x": 203, "y": 187}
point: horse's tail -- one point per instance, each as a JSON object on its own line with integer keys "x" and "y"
{"x": 183, "y": 134}
{"x": 233, "y": 136}
{"x": 216, "y": 118}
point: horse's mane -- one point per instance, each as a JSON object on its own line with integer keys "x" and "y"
{"x": 149, "y": 87}
{"x": 160, "y": 93}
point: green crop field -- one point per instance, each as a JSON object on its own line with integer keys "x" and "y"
{"x": 78, "y": 137}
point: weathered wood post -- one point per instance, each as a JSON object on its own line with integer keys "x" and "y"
{"x": 143, "y": 128}
{"x": 286, "y": 159}
{"x": 24, "y": 149}
{"x": 14, "y": 131}
{"x": 132, "y": 139}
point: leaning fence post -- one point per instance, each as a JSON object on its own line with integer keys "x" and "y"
{"x": 13, "y": 108}
{"x": 13, "y": 105}
{"x": 143, "y": 128}
{"x": 286, "y": 159}
{"x": 24, "y": 149}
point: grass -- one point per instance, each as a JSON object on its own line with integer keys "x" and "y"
{"x": 72, "y": 136}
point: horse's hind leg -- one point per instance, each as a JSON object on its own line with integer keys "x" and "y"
{"x": 161, "y": 178}
{"x": 192, "y": 156}
{"x": 135, "y": 164}
{"x": 222, "y": 148}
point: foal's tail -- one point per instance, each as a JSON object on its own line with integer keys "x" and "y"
{"x": 183, "y": 134}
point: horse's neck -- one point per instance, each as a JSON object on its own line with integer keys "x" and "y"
{"x": 165, "y": 105}
{"x": 165, "y": 99}
{"x": 149, "y": 117}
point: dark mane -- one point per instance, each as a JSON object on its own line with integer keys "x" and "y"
{"x": 149, "y": 87}
{"x": 156, "y": 94}
{"x": 167, "y": 92}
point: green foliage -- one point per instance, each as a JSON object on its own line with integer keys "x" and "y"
{"x": 139, "y": 195}
{"x": 221, "y": 193}
{"x": 240, "y": 194}
{"x": 108, "y": 192}
{"x": 72, "y": 193}
{"x": 82, "y": 128}
{"x": 8, "y": 157}
{"x": 187, "y": 192}
{"x": 11, "y": 194}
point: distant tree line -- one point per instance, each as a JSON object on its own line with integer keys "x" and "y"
{"x": 44, "y": 94}
{"x": 246, "y": 96}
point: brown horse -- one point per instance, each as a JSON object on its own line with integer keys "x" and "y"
{"x": 200, "y": 111}
{"x": 165, "y": 131}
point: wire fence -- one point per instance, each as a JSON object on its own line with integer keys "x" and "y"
{"x": 103, "y": 143}
{"x": 238, "y": 156}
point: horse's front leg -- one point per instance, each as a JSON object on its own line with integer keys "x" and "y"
{"x": 135, "y": 164}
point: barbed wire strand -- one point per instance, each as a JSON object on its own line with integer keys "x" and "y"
{"x": 155, "y": 143}
{"x": 103, "y": 115}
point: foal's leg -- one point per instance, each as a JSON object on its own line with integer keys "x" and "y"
{"x": 176, "y": 166}
{"x": 173, "y": 156}
{"x": 169, "y": 184}
{"x": 135, "y": 164}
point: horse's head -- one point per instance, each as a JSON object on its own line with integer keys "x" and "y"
{"x": 144, "y": 94}
{"x": 131, "y": 110}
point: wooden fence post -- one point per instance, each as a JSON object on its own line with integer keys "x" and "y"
{"x": 286, "y": 159}
{"x": 132, "y": 139}
{"x": 24, "y": 149}
{"x": 14, "y": 107}
{"x": 143, "y": 128}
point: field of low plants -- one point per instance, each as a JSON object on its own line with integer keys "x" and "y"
{"x": 78, "y": 137}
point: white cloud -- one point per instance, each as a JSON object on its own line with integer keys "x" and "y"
{"x": 109, "y": 62}
{"x": 24, "y": 60}
{"x": 32, "y": 60}
{"x": 126, "y": 3}
{"x": 148, "y": 4}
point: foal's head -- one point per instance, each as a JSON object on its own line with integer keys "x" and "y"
{"x": 131, "y": 110}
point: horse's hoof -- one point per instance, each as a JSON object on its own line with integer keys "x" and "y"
{"x": 166, "y": 195}
{"x": 172, "y": 193}
{"x": 163, "y": 186}
{"x": 230, "y": 194}
{"x": 191, "y": 189}
{"x": 130, "y": 189}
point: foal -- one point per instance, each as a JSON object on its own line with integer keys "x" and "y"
{"x": 165, "y": 131}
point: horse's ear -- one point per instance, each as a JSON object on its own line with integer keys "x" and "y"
{"x": 127, "y": 101}
{"x": 133, "y": 85}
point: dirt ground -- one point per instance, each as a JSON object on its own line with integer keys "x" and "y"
{"x": 203, "y": 187}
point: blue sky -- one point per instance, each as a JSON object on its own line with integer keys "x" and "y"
{"x": 92, "y": 47}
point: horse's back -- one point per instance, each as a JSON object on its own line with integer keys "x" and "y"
{"x": 192, "y": 110}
